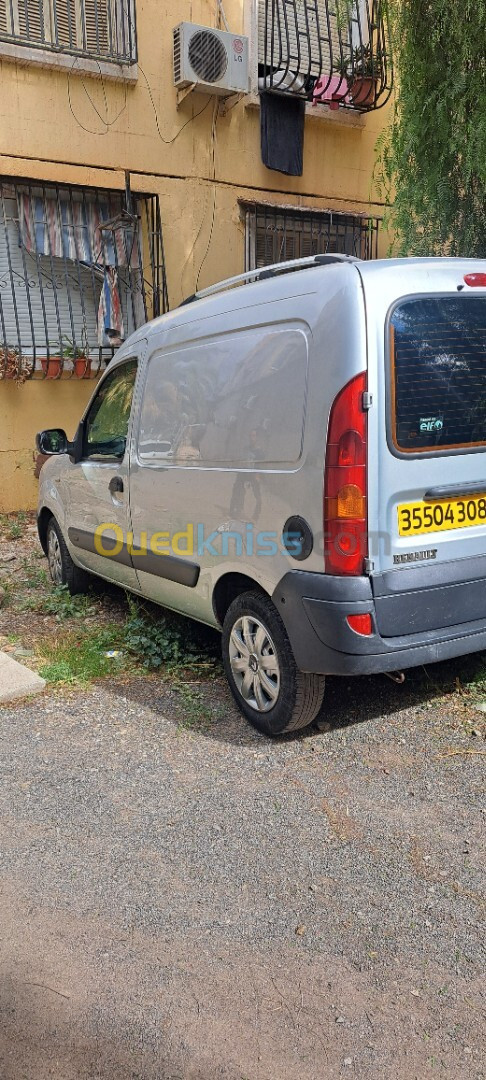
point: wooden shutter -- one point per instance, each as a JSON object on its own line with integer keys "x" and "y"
{"x": 96, "y": 27}
{"x": 31, "y": 19}
{"x": 64, "y": 23}
{"x": 275, "y": 241}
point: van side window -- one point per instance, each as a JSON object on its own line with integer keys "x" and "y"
{"x": 233, "y": 399}
{"x": 106, "y": 425}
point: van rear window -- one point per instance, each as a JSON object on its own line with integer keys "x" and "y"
{"x": 438, "y": 356}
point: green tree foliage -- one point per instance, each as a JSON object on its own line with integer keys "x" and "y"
{"x": 432, "y": 161}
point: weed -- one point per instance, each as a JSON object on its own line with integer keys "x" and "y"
{"x": 6, "y": 592}
{"x": 35, "y": 576}
{"x": 15, "y": 532}
{"x": 196, "y": 712}
{"x": 74, "y": 659}
{"x": 59, "y": 671}
{"x": 477, "y": 684}
{"x": 157, "y": 638}
{"x": 60, "y": 603}
{"x": 13, "y": 525}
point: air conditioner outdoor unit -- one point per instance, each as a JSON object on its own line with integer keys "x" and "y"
{"x": 212, "y": 61}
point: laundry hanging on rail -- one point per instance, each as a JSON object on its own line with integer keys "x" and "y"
{"x": 110, "y": 315}
{"x": 282, "y": 120}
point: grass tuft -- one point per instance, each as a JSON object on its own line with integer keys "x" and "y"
{"x": 80, "y": 659}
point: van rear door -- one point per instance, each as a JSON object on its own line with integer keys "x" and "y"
{"x": 429, "y": 504}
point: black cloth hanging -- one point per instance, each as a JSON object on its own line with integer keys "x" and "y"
{"x": 282, "y": 119}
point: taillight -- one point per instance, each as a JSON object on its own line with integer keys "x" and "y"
{"x": 345, "y": 482}
{"x": 477, "y": 281}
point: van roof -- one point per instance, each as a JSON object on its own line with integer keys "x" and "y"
{"x": 287, "y": 272}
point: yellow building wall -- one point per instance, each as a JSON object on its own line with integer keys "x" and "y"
{"x": 24, "y": 410}
{"x": 69, "y": 127}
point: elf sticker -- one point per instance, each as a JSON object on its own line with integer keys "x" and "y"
{"x": 431, "y": 424}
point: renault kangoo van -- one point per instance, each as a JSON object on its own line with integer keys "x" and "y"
{"x": 297, "y": 457}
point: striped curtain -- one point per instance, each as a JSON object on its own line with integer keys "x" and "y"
{"x": 70, "y": 229}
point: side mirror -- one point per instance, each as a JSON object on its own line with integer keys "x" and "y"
{"x": 52, "y": 441}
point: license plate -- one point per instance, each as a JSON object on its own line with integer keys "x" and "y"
{"x": 419, "y": 517}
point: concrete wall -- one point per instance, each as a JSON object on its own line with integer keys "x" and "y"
{"x": 68, "y": 126}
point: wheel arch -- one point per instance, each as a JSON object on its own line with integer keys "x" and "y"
{"x": 228, "y": 587}
{"x": 43, "y": 519}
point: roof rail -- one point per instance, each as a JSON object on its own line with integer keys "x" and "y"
{"x": 269, "y": 272}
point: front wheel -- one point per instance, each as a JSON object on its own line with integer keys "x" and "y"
{"x": 62, "y": 570}
{"x": 261, "y": 671}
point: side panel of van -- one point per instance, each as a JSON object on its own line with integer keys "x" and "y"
{"x": 232, "y": 434}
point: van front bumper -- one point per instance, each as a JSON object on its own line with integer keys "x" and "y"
{"x": 314, "y": 610}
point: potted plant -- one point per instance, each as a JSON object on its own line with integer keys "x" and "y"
{"x": 14, "y": 365}
{"x": 363, "y": 72}
{"x": 81, "y": 362}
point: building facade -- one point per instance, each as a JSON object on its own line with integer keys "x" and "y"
{"x": 121, "y": 192}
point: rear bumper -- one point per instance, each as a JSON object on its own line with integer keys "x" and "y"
{"x": 314, "y": 608}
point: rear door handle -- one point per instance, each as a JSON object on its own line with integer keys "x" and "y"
{"x": 455, "y": 491}
{"x": 116, "y": 485}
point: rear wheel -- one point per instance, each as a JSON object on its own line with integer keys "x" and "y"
{"x": 259, "y": 664}
{"x": 62, "y": 569}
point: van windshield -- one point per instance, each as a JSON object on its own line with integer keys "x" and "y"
{"x": 438, "y": 376}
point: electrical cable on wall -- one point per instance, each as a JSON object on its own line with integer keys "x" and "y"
{"x": 213, "y": 215}
{"x": 104, "y": 120}
{"x": 222, "y": 16}
{"x": 167, "y": 142}
{"x": 109, "y": 123}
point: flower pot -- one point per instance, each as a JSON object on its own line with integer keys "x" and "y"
{"x": 82, "y": 367}
{"x": 363, "y": 90}
{"x": 51, "y": 367}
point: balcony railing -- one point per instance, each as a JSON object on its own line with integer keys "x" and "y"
{"x": 335, "y": 52}
{"x": 96, "y": 29}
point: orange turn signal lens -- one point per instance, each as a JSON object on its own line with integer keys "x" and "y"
{"x": 351, "y": 502}
{"x": 361, "y": 624}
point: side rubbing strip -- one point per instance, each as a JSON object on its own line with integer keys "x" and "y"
{"x": 165, "y": 566}
{"x": 85, "y": 540}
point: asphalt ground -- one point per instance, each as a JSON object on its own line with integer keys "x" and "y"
{"x": 181, "y": 898}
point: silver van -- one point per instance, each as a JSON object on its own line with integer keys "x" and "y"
{"x": 295, "y": 456}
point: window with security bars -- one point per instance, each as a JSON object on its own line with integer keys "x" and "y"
{"x": 438, "y": 350}
{"x": 99, "y": 29}
{"x": 80, "y": 270}
{"x": 275, "y": 234}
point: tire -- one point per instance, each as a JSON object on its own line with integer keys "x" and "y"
{"x": 62, "y": 570}
{"x": 274, "y": 696}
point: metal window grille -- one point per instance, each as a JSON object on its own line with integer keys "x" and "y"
{"x": 54, "y": 267}
{"x": 275, "y": 234}
{"x": 333, "y": 51}
{"x": 100, "y": 29}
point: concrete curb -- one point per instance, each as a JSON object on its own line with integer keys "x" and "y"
{"x": 17, "y": 681}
